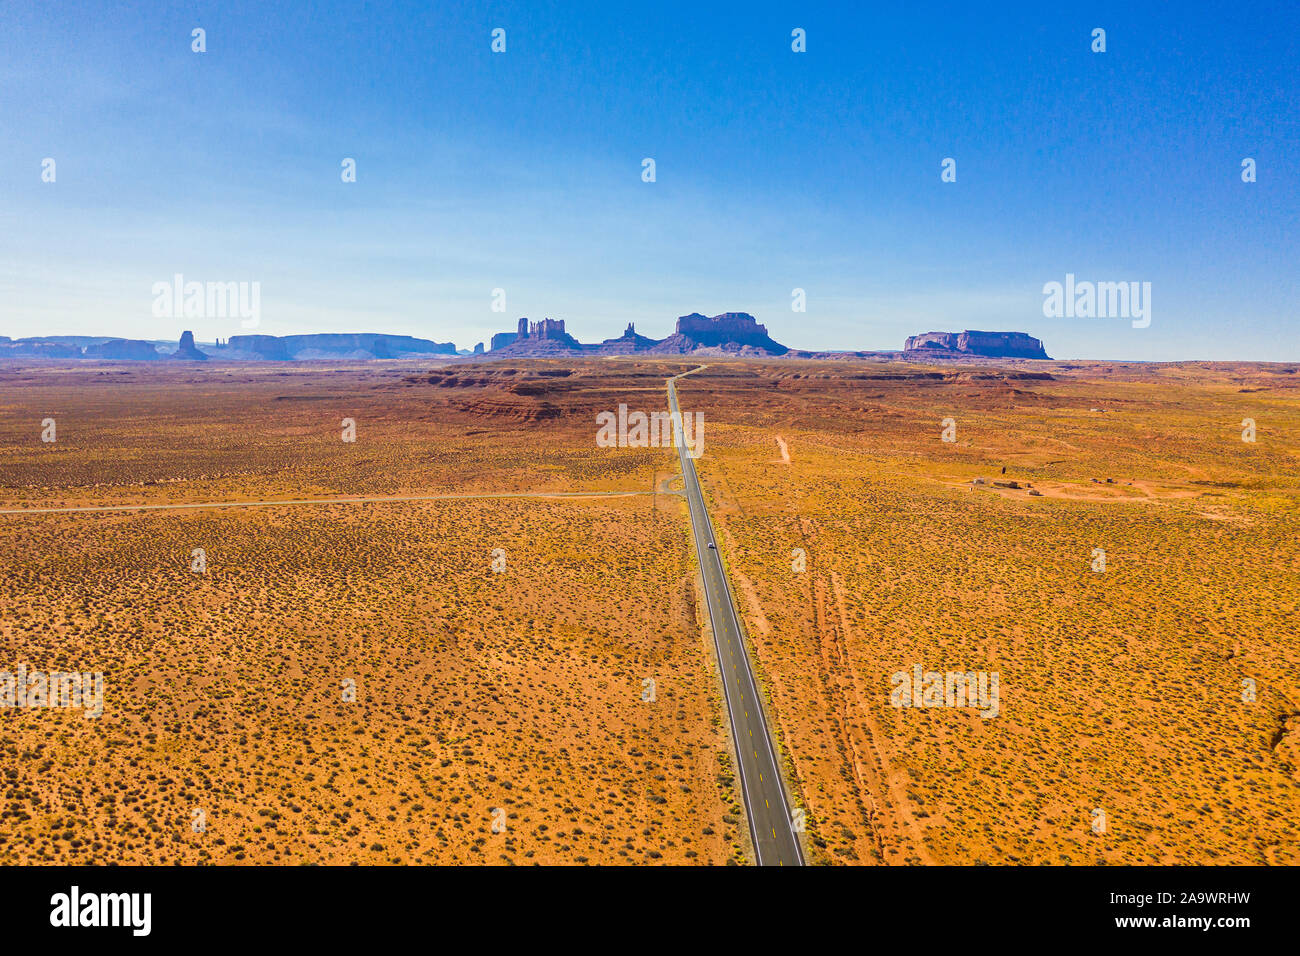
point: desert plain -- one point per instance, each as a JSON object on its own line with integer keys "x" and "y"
{"x": 478, "y": 637}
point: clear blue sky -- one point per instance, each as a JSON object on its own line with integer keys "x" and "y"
{"x": 775, "y": 170}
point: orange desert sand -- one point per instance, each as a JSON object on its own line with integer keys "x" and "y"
{"x": 530, "y": 679}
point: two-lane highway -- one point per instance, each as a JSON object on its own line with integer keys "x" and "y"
{"x": 770, "y": 823}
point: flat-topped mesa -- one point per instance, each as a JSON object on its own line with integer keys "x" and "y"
{"x": 985, "y": 344}
{"x": 731, "y": 332}
{"x": 267, "y": 347}
{"x": 331, "y": 345}
{"x": 133, "y": 350}
{"x": 733, "y": 325}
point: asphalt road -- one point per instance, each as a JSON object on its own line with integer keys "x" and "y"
{"x": 770, "y": 824}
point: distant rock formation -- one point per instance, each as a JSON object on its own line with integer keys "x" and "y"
{"x": 545, "y": 329}
{"x": 330, "y": 345}
{"x": 268, "y": 347}
{"x": 188, "y": 351}
{"x": 79, "y": 342}
{"x": 627, "y": 343}
{"x": 732, "y": 333}
{"x": 987, "y": 344}
{"x": 79, "y": 347}
{"x": 544, "y": 337}
{"x": 129, "y": 350}
{"x": 40, "y": 349}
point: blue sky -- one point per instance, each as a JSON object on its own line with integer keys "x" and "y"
{"x": 775, "y": 170}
